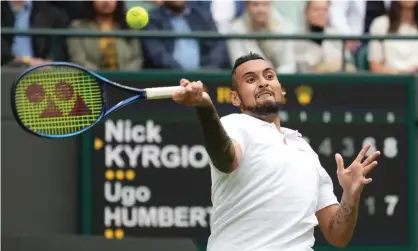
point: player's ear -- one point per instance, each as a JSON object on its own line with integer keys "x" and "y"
{"x": 235, "y": 100}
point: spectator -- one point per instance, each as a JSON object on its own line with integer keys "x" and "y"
{"x": 25, "y": 50}
{"x": 395, "y": 56}
{"x": 189, "y": 54}
{"x": 224, "y": 12}
{"x": 107, "y": 52}
{"x": 258, "y": 18}
{"x": 73, "y": 9}
{"x": 148, "y": 5}
{"x": 354, "y": 17}
{"x": 320, "y": 55}
{"x": 291, "y": 12}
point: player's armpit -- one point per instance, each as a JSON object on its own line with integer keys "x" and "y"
{"x": 238, "y": 154}
{"x": 223, "y": 151}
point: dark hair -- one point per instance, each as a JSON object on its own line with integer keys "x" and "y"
{"x": 394, "y": 15}
{"x": 118, "y": 14}
{"x": 239, "y": 61}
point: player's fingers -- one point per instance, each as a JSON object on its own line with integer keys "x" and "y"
{"x": 189, "y": 88}
{"x": 362, "y": 153}
{"x": 340, "y": 162}
{"x": 371, "y": 158}
{"x": 177, "y": 94}
{"x": 199, "y": 85}
{"x": 184, "y": 82}
{"x": 367, "y": 181}
{"x": 199, "y": 88}
{"x": 367, "y": 169}
{"x": 194, "y": 91}
{"x": 194, "y": 88}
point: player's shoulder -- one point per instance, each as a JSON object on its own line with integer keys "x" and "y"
{"x": 236, "y": 121}
{"x": 287, "y": 130}
{"x": 239, "y": 120}
{"x": 234, "y": 118}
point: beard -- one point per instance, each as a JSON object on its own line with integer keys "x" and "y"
{"x": 265, "y": 109}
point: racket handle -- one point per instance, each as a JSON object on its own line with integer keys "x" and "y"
{"x": 162, "y": 92}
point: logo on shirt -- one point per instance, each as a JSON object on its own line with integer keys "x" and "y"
{"x": 304, "y": 94}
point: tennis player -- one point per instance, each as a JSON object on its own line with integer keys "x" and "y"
{"x": 269, "y": 189}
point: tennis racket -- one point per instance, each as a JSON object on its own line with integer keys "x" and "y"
{"x": 59, "y": 100}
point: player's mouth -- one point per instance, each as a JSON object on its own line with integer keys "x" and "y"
{"x": 265, "y": 95}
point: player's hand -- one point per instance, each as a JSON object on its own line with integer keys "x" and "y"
{"x": 192, "y": 94}
{"x": 353, "y": 178}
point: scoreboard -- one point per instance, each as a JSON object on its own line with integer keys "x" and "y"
{"x": 149, "y": 174}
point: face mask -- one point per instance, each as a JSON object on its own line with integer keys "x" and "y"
{"x": 315, "y": 28}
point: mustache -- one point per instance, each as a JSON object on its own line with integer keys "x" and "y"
{"x": 266, "y": 90}
{"x": 263, "y": 91}
{"x": 265, "y": 109}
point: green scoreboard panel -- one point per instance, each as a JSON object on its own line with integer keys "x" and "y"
{"x": 148, "y": 174}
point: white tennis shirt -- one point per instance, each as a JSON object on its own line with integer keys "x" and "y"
{"x": 269, "y": 202}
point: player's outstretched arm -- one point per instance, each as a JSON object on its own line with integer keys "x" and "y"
{"x": 337, "y": 222}
{"x": 224, "y": 152}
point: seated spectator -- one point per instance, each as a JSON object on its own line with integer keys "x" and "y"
{"x": 350, "y": 17}
{"x": 148, "y": 5}
{"x": 258, "y": 18}
{"x": 395, "y": 56}
{"x": 291, "y": 12}
{"x": 320, "y": 55}
{"x": 107, "y": 53}
{"x": 73, "y": 9}
{"x": 224, "y": 12}
{"x": 26, "y": 50}
{"x": 188, "y": 54}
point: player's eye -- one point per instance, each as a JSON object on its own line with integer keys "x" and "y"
{"x": 269, "y": 77}
{"x": 251, "y": 80}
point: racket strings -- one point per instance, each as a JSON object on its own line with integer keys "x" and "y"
{"x": 58, "y": 100}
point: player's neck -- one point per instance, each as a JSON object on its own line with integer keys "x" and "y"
{"x": 275, "y": 119}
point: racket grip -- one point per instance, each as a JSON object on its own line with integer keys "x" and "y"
{"x": 162, "y": 92}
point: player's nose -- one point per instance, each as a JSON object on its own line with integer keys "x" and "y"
{"x": 263, "y": 84}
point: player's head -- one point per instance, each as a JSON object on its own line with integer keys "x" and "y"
{"x": 255, "y": 87}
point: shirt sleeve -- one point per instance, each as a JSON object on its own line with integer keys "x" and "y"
{"x": 326, "y": 191}
{"x": 232, "y": 127}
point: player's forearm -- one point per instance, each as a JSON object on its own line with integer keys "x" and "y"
{"x": 344, "y": 221}
{"x": 218, "y": 145}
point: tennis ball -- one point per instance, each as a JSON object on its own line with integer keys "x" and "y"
{"x": 137, "y": 17}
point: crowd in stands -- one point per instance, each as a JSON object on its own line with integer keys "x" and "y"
{"x": 334, "y": 17}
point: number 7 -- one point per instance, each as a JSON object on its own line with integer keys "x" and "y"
{"x": 392, "y": 200}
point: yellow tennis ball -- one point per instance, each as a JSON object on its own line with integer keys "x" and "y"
{"x": 137, "y": 17}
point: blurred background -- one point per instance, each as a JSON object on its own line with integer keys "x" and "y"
{"x": 140, "y": 180}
